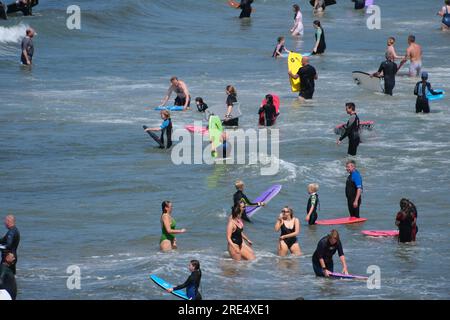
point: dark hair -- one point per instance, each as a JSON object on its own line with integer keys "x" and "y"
{"x": 404, "y": 203}
{"x": 412, "y": 38}
{"x": 236, "y": 211}
{"x": 317, "y": 23}
{"x": 173, "y": 78}
{"x": 164, "y": 205}
{"x": 231, "y": 90}
{"x": 296, "y": 7}
{"x": 281, "y": 38}
{"x": 199, "y": 99}
{"x": 447, "y": 2}
{"x": 269, "y": 100}
{"x": 350, "y": 105}
{"x": 195, "y": 264}
{"x": 408, "y": 207}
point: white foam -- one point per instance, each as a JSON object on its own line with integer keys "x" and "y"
{"x": 13, "y": 34}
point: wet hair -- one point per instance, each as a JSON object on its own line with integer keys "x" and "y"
{"x": 279, "y": 39}
{"x": 408, "y": 207}
{"x": 314, "y": 187}
{"x": 164, "y": 205}
{"x": 404, "y": 203}
{"x": 391, "y": 40}
{"x": 334, "y": 234}
{"x": 231, "y": 90}
{"x": 296, "y": 7}
{"x": 173, "y": 78}
{"x": 351, "y": 161}
{"x": 166, "y": 113}
{"x": 350, "y": 105}
{"x": 199, "y": 99}
{"x": 195, "y": 264}
{"x": 29, "y": 31}
{"x": 412, "y": 38}
{"x": 269, "y": 100}
{"x": 236, "y": 211}
{"x": 317, "y": 23}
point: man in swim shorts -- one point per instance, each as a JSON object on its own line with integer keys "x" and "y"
{"x": 183, "y": 98}
{"x": 414, "y": 54}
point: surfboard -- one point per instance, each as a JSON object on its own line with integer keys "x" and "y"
{"x": 366, "y": 125}
{"x": 266, "y": 196}
{"x": 215, "y": 131}
{"x": 165, "y": 285}
{"x": 4, "y": 295}
{"x": 365, "y": 81}
{"x": 276, "y": 103}
{"x": 346, "y": 220}
{"x": 294, "y": 64}
{"x": 347, "y": 276}
{"x": 327, "y": 2}
{"x": 170, "y": 108}
{"x": 154, "y": 137}
{"x": 196, "y": 129}
{"x": 380, "y": 233}
{"x": 436, "y": 97}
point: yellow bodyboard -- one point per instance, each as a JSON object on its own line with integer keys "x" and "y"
{"x": 294, "y": 64}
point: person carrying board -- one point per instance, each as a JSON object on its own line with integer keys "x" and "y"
{"x": 322, "y": 259}
{"x": 388, "y": 69}
{"x": 239, "y": 197}
{"x": 421, "y": 90}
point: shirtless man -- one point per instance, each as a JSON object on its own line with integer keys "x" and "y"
{"x": 414, "y": 54}
{"x": 183, "y": 98}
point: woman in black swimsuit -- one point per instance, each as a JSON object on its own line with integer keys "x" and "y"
{"x": 237, "y": 247}
{"x": 290, "y": 228}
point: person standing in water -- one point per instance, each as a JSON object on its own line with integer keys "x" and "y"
{"x": 313, "y": 204}
{"x": 351, "y": 129}
{"x": 267, "y": 112}
{"x": 414, "y": 54}
{"x": 307, "y": 74}
{"x": 11, "y": 240}
{"x": 165, "y": 128}
{"x": 231, "y": 115}
{"x": 421, "y": 90}
{"x": 290, "y": 228}
{"x": 7, "y": 276}
{"x": 391, "y": 50}
{"x": 192, "y": 283}
{"x": 297, "y": 28}
{"x": 168, "y": 225}
{"x": 320, "y": 45}
{"x": 322, "y": 259}
{"x": 445, "y": 14}
{"x": 237, "y": 247}
{"x": 388, "y": 69}
{"x": 180, "y": 88}
{"x": 246, "y": 7}
{"x": 240, "y": 197}
{"x": 353, "y": 189}
{"x": 27, "y": 47}
{"x": 279, "y": 49}
{"x": 406, "y": 221}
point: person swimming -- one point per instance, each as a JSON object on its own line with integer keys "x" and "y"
{"x": 290, "y": 228}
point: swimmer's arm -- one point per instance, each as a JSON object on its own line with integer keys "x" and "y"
{"x": 184, "y": 285}
{"x": 344, "y": 264}
{"x": 152, "y": 129}
{"x": 166, "y": 222}
{"x": 246, "y": 238}
{"x": 293, "y": 76}
{"x": 278, "y": 224}
{"x": 434, "y": 93}
{"x": 168, "y": 94}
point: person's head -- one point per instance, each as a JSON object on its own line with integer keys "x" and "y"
{"x": 313, "y": 187}
{"x": 231, "y": 90}
{"x": 194, "y": 265}
{"x": 296, "y": 8}
{"x": 10, "y": 258}
{"x": 174, "y": 81}
{"x": 447, "y": 2}
{"x": 269, "y": 99}
{"x": 317, "y": 24}
{"x": 391, "y": 41}
{"x": 199, "y": 101}
{"x": 350, "y": 166}
{"x": 333, "y": 237}
{"x": 411, "y": 39}
{"x": 30, "y": 32}
{"x": 404, "y": 204}
{"x": 237, "y": 211}
{"x": 287, "y": 213}
{"x": 305, "y": 61}
{"x": 165, "y": 114}
{"x": 424, "y": 76}
{"x": 281, "y": 40}
{"x": 166, "y": 206}
{"x": 239, "y": 184}
{"x": 350, "y": 107}
{"x": 10, "y": 221}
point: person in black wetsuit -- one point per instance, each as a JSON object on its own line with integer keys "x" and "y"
{"x": 239, "y": 197}
{"x": 7, "y": 278}
{"x": 267, "y": 113}
{"x": 237, "y": 247}
{"x": 165, "y": 128}
{"x": 322, "y": 259}
{"x": 192, "y": 283}
{"x": 246, "y": 7}
{"x": 313, "y": 204}
{"x": 320, "y": 44}
{"x": 290, "y": 228}
{"x": 201, "y": 105}
{"x": 353, "y": 189}
{"x": 389, "y": 69}
{"x": 307, "y": 74}
{"x": 11, "y": 240}
{"x": 351, "y": 129}
{"x": 420, "y": 90}
{"x": 406, "y": 221}
{"x": 231, "y": 115}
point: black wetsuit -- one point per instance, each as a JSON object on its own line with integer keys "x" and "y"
{"x": 239, "y": 197}
{"x": 246, "y": 7}
{"x": 275, "y": 54}
{"x": 11, "y": 242}
{"x": 359, "y": 4}
{"x": 325, "y": 251}
{"x": 406, "y": 228}
{"x": 307, "y": 76}
{"x": 192, "y": 284}
{"x": 3, "y": 11}
{"x": 231, "y": 121}
{"x": 270, "y": 114}
{"x": 313, "y": 201}
{"x": 8, "y": 280}
{"x": 352, "y": 132}
{"x": 353, "y": 183}
{"x": 285, "y": 230}
{"x": 420, "y": 91}
{"x": 389, "y": 69}
{"x": 202, "y": 107}
{"x": 167, "y": 132}
{"x": 446, "y": 17}
{"x": 236, "y": 236}
{"x": 322, "y": 45}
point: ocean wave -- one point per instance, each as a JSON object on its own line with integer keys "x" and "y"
{"x": 13, "y": 34}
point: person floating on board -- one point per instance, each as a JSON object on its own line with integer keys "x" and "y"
{"x": 246, "y": 7}
{"x": 165, "y": 128}
{"x": 192, "y": 283}
{"x": 297, "y": 29}
{"x": 231, "y": 115}
{"x": 322, "y": 259}
{"x": 290, "y": 228}
{"x": 267, "y": 112}
{"x": 445, "y": 14}
{"x": 237, "y": 247}
{"x": 421, "y": 90}
{"x": 279, "y": 48}
{"x": 351, "y": 129}
{"x": 180, "y": 88}
{"x": 313, "y": 204}
{"x": 201, "y": 105}
{"x": 406, "y": 221}
{"x": 27, "y": 47}
{"x": 7, "y": 277}
{"x": 307, "y": 74}
{"x": 320, "y": 44}
{"x": 388, "y": 69}
{"x": 11, "y": 240}
{"x": 414, "y": 54}
{"x": 239, "y": 197}
{"x": 168, "y": 224}
{"x": 353, "y": 189}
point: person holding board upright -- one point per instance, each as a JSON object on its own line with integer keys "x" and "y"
{"x": 307, "y": 74}
{"x": 240, "y": 197}
{"x": 353, "y": 189}
{"x": 180, "y": 88}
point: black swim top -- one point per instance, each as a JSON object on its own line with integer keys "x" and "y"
{"x": 285, "y": 230}
{"x": 236, "y": 236}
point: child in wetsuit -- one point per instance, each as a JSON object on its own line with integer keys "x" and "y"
{"x": 279, "y": 49}
{"x": 313, "y": 204}
{"x": 192, "y": 283}
{"x": 239, "y": 197}
{"x": 201, "y": 105}
{"x": 420, "y": 90}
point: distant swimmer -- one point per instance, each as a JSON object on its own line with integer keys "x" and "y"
{"x": 239, "y": 245}
{"x": 168, "y": 224}
{"x": 269, "y": 111}
{"x": 421, "y": 90}
{"x": 297, "y": 29}
{"x": 414, "y": 54}
{"x": 307, "y": 74}
{"x": 192, "y": 284}
{"x": 313, "y": 204}
{"x": 322, "y": 259}
{"x": 320, "y": 44}
{"x": 180, "y": 88}
{"x": 27, "y": 47}
{"x": 165, "y": 128}
{"x": 246, "y": 7}
{"x": 7, "y": 277}
{"x": 233, "y": 111}
{"x": 388, "y": 69}
{"x": 351, "y": 129}
{"x": 445, "y": 14}
{"x": 290, "y": 228}
{"x": 406, "y": 221}
{"x": 391, "y": 50}
{"x": 353, "y": 189}
{"x": 11, "y": 240}
{"x": 201, "y": 105}
{"x": 240, "y": 197}
{"x": 279, "y": 48}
